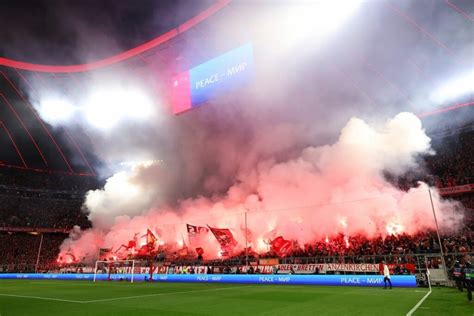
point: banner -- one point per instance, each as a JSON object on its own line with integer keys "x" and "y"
{"x": 325, "y": 267}
{"x": 456, "y": 190}
{"x": 333, "y": 280}
{"x": 268, "y": 262}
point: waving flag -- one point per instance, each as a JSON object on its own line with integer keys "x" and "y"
{"x": 224, "y": 237}
{"x": 150, "y": 238}
{"x": 132, "y": 244}
{"x": 281, "y": 246}
{"x": 199, "y": 251}
{"x": 195, "y": 232}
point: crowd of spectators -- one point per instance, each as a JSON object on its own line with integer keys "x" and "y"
{"x": 34, "y": 200}
{"x": 19, "y": 250}
{"x": 23, "y": 209}
{"x": 453, "y": 163}
{"x": 360, "y": 249}
{"x": 37, "y": 200}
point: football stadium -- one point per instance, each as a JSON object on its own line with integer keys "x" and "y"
{"x": 236, "y": 157}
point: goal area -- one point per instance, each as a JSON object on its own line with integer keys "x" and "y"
{"x": 119, "y": 270}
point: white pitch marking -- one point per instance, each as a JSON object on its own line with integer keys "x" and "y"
{"x": 41, "y": 298}
{"x": 418, "y": 304}
{"x": 162, "y": 294}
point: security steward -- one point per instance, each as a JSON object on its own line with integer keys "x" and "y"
{"x": 457, "y": 275}
{"x": 468, "y": 278}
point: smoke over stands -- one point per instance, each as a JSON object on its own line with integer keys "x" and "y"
{"x": 321, "y": 191}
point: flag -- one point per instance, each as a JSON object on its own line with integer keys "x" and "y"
{"x": 281, "y": 246}
{"x": 131, "y": 244}
{"x": 150, "y": 238}
{"x": 199, "y": 251}
{"x": 195, "y": 232}
{"x": 224, "y": 237}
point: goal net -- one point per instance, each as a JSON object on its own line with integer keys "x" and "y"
{"x": 120, "y": 270}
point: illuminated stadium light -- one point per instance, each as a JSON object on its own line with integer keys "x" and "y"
{"x": 106, "y": 108}
{"x": 316, "y": 19}
{"x": 56, "y": 110}
{"x": 455, "y": 88}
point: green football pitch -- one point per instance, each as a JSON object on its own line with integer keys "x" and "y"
{"x": 29, "y": 297}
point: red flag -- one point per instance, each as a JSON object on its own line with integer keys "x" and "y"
{"x": 199, "y": 251}
{"x": 281, "y": 246}
{"x": 224, "y": 237}
{"x": 150, "y": 238}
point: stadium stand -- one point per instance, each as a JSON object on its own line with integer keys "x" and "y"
{"x": 51, "y": 203}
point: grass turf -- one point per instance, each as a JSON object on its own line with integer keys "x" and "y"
{"x": 29, "y": 297}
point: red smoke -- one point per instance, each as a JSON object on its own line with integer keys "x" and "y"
{"x": 325, "y": 190}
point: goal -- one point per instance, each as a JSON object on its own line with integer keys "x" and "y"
{"x": 122, "y": 270}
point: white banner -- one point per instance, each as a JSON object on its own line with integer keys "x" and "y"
{"x": 325, "y": 267}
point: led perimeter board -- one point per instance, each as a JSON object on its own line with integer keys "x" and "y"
{"x": 224, "y": 73}
{"x": 311, "y": 279}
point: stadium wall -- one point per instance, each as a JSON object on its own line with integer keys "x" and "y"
{"x": 332, "y": 280}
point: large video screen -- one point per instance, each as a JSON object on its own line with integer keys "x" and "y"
{"x": 224, "y": 73}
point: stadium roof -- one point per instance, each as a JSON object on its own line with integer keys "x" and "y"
{"x": 412, "y": 36}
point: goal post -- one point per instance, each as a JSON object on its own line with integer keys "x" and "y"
{"x": 115, "y": 270}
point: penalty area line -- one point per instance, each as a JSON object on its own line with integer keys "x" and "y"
{"x": 41, "y": 298}
{"x": 410, "y": 313}
{"x": 163, "y": 294}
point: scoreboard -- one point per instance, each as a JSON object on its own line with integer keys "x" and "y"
{"x": 224, "y": 73}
